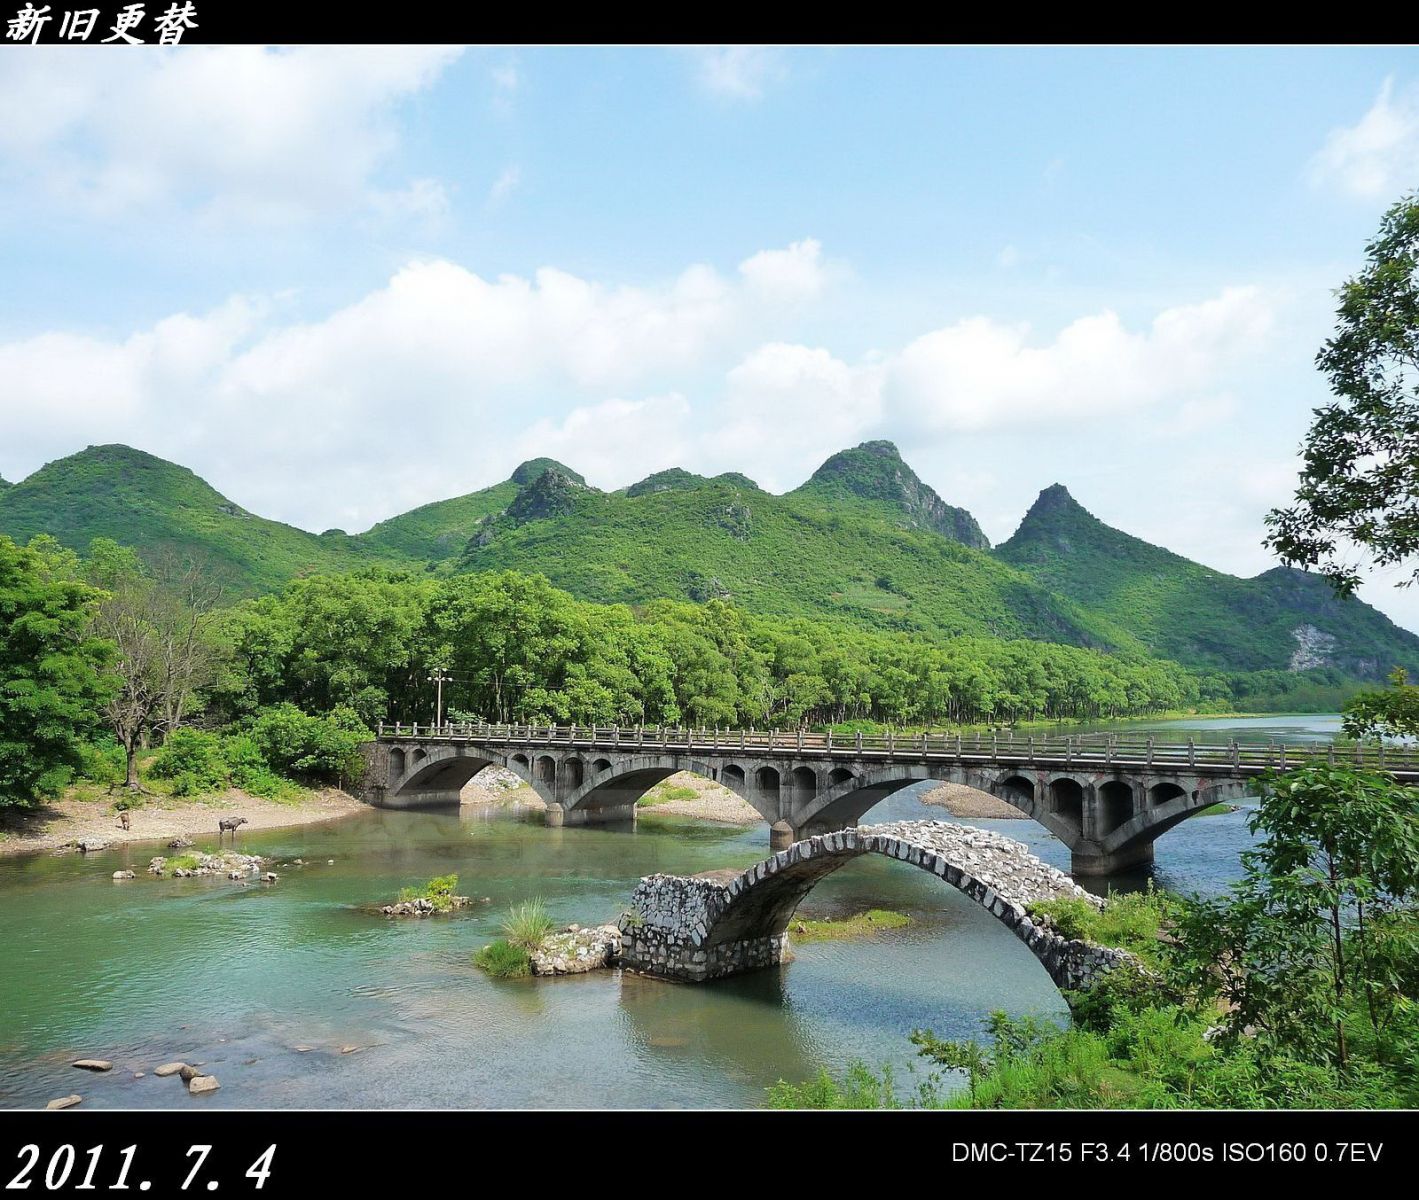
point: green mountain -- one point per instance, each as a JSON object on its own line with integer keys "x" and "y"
{"x": 4, "y": 483}
{"x": 864, "y": 541}
{"x": 156, "y": 506}
{"x": 812, "y": 552}
{"x": 1183, "y": 610}
{"x": 873, "y": 479}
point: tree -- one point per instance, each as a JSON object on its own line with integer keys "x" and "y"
{"x": 164, "y": 654}
{"x": 1299, "y": 951}
{"x": 52, "y": 679}
{"x": 1360, "y": 480}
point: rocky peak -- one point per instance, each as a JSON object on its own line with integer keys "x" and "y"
{"x": 876, "y": 471}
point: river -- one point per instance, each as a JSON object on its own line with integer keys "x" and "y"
{"x": 236, "y": 979}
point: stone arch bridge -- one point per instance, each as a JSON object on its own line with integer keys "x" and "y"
{"x": 1107, "y": 798}
{"x": 701, "y": 927}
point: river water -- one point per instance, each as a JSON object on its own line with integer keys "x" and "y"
{"x": 236, "y": 979}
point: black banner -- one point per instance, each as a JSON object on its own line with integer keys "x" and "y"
{"x": 288, "y": 1153}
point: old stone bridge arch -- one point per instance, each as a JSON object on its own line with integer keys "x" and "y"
{"x": 696, "y": 928}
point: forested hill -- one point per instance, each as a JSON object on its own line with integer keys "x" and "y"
{"x": 803, "y": 554}
{"x": 1183, "y": 610}
{"x": 156, "y": 506}
{"x": 864, "y": 541}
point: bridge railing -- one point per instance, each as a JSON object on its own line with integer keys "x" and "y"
{"x": 1083, "y": 749}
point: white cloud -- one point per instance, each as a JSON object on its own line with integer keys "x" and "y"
{"x": 507, "y": 182}
{"x": 615, "y": 442}
{"x": 789, "y": 276}
{"x": 979, "y": 373}
{"x": 740, "y": 72}
{"x": 239, "y": 132}
{"x": 786, "y": 408}
{"x": 1378, "y": 157}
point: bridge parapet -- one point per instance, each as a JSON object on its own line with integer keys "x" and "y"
{"x": 704, "y": 927}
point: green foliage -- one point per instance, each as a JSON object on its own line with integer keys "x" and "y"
{"x": 1130, "y": 920}
{"x": 53, "y": 675}
{"x": 438, "y": 891}
{"x": 518, "y": 649}
{"x": 321, "y": 749}
{"x": 201, "y": 762}
{"x": 859, "y": 1088}
{"x": 1361, "y": 457}
{"x": 103, "y": 763}
{"x": 1298, "y": 952}
{"x": 1392, "y": 712}
{"x": 527, "y": 924}
{"x": 194, "y": 760}
{"x": 503, "y": 960}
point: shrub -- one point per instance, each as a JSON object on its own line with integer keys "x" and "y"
{"x": 322, "y": 749}
{"x": 503, "y": 960}
{"x": 528, "y": 924}
{"x": 103, "y": 763}
{"x": 438, "y": 891}
{"x": 194, "y": 760}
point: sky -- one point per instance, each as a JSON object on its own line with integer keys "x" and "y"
{"x": 340, "y": 282}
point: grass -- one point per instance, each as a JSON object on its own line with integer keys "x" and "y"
{"x": 183, "y": 862}
{"x": 527, "y": 925}
{"x": 863, "y": 924}
{"x": 660, "y": 794}
{"x": 502, "y": 960}
{"x": 438, "y": 892}
{"x": 1129, "y": 920}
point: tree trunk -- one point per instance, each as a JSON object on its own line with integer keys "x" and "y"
{"x": 130, "y": 749}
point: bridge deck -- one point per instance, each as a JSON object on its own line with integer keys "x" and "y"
{"x": 1106, "y": 750}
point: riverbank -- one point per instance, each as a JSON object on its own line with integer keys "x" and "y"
{"x": 73, "y": 819}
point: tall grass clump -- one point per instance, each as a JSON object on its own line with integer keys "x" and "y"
{"x": 527, "y": 924}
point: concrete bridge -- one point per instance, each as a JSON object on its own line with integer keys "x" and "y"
{"x": 1108, "y": 798}
{"x": 700, "y": 927}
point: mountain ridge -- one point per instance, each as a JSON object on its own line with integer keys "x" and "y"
{"x": 863, "y": 540}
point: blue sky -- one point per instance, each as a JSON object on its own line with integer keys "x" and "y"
{"x": 339, "y": 282}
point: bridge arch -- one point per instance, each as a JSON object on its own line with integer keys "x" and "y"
{"x": 845, "y": 802}
{"x": 1151, "y": 821}
{"x": 708, "y": 926}
{"x": 619, "y": 785}
{"x": 423, "y": 778}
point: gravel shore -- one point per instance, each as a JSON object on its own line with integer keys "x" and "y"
{"x": 63, "y": 822}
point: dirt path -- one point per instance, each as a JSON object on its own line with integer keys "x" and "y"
{"x": 70, "y": 820}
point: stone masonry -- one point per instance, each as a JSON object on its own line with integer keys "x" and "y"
{"x": 706, "y": 926}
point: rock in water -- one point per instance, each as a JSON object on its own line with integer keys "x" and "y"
{"x": 202, "y": 1083}
{"x": 65, "y": 1102}
{"x": 94, "y": 1064}
{"x": 123, "y": 874}
{"x": 171, "y": 1068}
{"x": 188, "y": 1073}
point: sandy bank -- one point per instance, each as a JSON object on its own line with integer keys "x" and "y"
{"x": 161, "y": 818}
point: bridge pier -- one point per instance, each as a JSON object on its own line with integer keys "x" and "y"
{"x": 608, "y": 814}
{"x": 1088, "y": 859}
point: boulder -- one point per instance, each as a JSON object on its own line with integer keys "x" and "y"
{"x": 188, "y": 1073}
{"x": 93, "y": 1064}
{"x": 180, "y": 843}
{"x": 92, "y": 845}
{"x": 65, "y": 1102}
{"x": 171, "y": 1068}
{"x": 270, "y": 877}
{"x": 199, "y": 1084}
{"x": 123, "y": 875}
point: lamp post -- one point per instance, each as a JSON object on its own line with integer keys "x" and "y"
{"x": 438, "y": 678}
